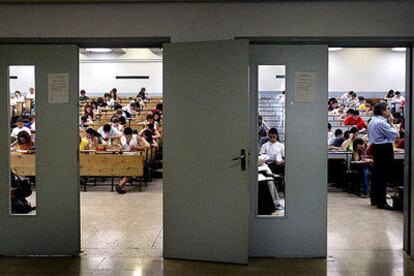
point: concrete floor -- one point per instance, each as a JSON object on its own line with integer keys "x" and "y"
{"x": 121, "y": 235}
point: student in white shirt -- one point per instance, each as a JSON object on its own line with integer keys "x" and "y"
{"x": 31, "y": 94}
{"x": 108, "y": 132}
{"x": 275, "y": 150}
{"x": 18, "y": 96}
{"x": 131, "y": 109}
{"x": 108, "y": 100}
{"x": 397, "y": 101}
{"x": 19, "y": 128}
{"x": 130, "y": 142}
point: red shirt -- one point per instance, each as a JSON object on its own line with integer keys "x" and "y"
{"x": 350, "y": 121}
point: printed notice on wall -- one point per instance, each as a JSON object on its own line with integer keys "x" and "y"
{"x": 58, "y": 87}
{"x": 305, "y": 83}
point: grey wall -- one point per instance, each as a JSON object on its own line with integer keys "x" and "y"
{"x": 200, "y": 21}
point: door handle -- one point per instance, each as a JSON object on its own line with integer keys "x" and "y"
{"x": 242, "y": 159}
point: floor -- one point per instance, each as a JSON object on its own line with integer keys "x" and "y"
{"x": 115, "y": 241}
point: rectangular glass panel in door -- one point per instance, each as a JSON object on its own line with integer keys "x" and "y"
{"x": 271, "y": 141}
{"x": 55, "y": 230}
{"x": 22, "y": 140}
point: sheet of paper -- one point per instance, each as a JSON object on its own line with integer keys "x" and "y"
{"x": 305, "y": 83}
{"x": 58, "y": 87}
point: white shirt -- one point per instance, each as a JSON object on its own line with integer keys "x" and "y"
{"x": 12, "y": 102}
{"x": 110, "y": 102}
{"x": 30, "y": 96}
{"x": 134, "y": 142}
{"x": 331, "y": 136}
{"x": 17, "y": 130}
{"x": 113, "y": 133}
{"x": 275, "y": 151}
{"x": 20, "y": 99}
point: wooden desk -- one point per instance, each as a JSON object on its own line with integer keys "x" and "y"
{"x": 101, "y": 165}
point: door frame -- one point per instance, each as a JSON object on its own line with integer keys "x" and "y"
{"x": 351, "y": 41}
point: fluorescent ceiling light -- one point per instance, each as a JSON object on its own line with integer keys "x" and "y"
{"x": 399, "y": 49}
{"x": 98, "y": 50}
{"x": 335, "y": 49}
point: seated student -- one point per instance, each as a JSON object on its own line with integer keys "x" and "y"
{"x": 155, "y": 134}
{"x": 262, "y": 132}
{"x": 108, "y": 132}
{"x": 115, "y": 124}
{"x": 108, "y": 100}
{"x": 100, "y": 102}
{"x": 83, "y": 96}
{"x": 130, "y": 142}
{"x": 332, "y": 104}
{"x": 388, "y": 97}
{"x": 397, "y": 102}
{"x": 361, "y": 104}
{"x": 336, "y": 142}
{"x": 85, "y": 122}
{"x": 120, "y": 115}
{"x": 114, "y": 94}
{"x": 347, "y": 96}
{"x": 339, "y": 111}
{"x": 139, "y": 102}
{"x": 131, "y": 110}
{"x": 88, "y": 111}
{"x": 149, "y": 120}
{"x": 95, "y": 107}
{"x": 399, "y": 143}
{"x": 349, "y": 137}
{"x": 19, "y": 128}
{"x": 93, "y": 137}
{"x": 362, "y": 162}
{"x": 31, "y": 124}
{"x": 144, "y": 95}
{"x": 352, "y": 102}
{"x": 265, "y": 174}
{"x": 275, "y": 150}
{"x": 147, "y": 134}
{"x": 19, "y": 98}
{"x": 158, "y": 108}
{"x": 83, "y": 143}
{"x": 331, "y": 134}
{"x": 23, "y": 142}
{"x": 355, "y": 119}
{"x": 157, "y": 117}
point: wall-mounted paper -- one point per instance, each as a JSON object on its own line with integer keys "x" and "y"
{"x": 305, "y": 83}
{"x": 58, "y": 87}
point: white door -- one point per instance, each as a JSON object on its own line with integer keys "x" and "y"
{"x": 302, "y": 231}
{"x": 206, "y": 192}
{"x": 54, "y": 229}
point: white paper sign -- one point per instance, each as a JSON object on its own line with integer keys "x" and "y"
{"x": 58, "y": 87}
{"x": 305, "y": 83}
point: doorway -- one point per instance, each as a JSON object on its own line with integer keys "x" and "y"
{"x": 120, "y": 121}
{"x": 359, "y": 79}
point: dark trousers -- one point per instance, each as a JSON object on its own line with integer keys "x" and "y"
{"x": 383, "y": 156}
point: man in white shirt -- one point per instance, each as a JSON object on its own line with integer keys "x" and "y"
{"x": 20, "y": 127}
{"x": 108, "y": 132}
{"x": 275, "y": 150}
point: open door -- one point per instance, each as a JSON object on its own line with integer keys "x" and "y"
{"x": 54, "y": 229}
{"x": 206, "y": 179}
{"x": 302, "y": 230}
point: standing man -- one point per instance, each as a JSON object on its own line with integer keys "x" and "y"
{"x": 381, "y": 135}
